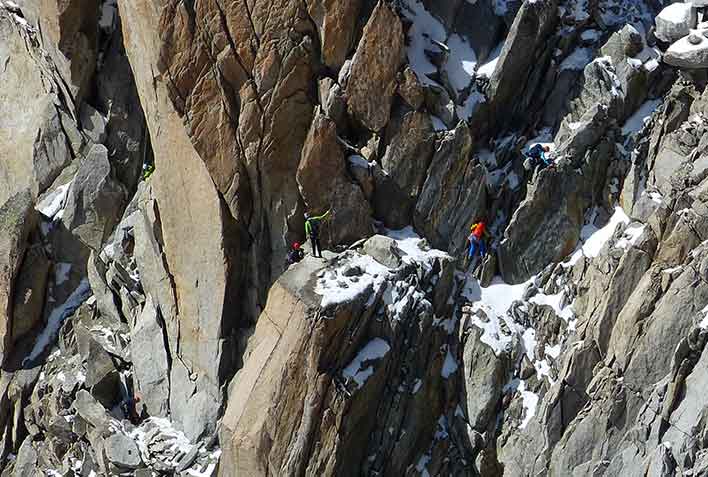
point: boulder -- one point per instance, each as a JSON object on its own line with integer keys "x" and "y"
{"x": 17, "y": 219}
{"x": 93, "y": 124}
{"x": 410, "y": 89}
{"x": 29, "y": 292}
{"x": 372, "y": 81}
{"x": 122, "y": 451}
{"x": 336, "y": 28}
{"x": 150, "y": 360}
{"x": 384, "y": 250}
{"x": 454, "y": 193}
{"x": 410, "y": 140}
{"x": 626, "y": 43}
{"x": 687, "y": 53}
{"x": 675, "y": 21}
{"x": 94, "y": 204}
{"x": 484, "y": 379}
{"x": 324, "y": 185}
{"x": 334, "y": 104}
{"x": 91, "y": 410}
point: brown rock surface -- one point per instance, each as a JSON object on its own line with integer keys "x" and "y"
{"x": 372, "y": 81}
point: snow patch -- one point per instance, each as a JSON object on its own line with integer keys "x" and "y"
{"x": 374, "y": 350}
{"x": 631, "y": 236}
{"x": 52, "y": 205}
{"x": 337, "y": 288}
{"x": 461, "y": 62}
{"x": 487, "y": 69}
{"x": 593, "y": 239}
{"x": 638, "y": 120}
{"x": 530, "y": 402}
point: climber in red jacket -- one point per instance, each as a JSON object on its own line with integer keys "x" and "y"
{"x": 478, "y": 232}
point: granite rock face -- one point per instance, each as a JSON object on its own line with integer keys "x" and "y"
{"x": 156, "y": 160}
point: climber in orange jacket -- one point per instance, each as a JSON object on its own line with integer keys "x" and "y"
{"x": 478, "y": 232}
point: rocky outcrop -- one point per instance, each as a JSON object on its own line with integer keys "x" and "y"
{"x": 18, "y": 219}
{"x": 387, "y": 357}
{"x": 350, "y": 357}
{"x": 372, "y": 77}
{"x": 675, "y": 21}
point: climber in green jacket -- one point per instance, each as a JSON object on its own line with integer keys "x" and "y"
{"x": 148, "y": 169}
{"x": 312, "y": 230}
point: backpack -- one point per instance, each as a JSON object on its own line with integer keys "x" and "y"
{"x": 314, "y": 227}
{"x": 478, "y": 230}
{"x": 536, "y": 151}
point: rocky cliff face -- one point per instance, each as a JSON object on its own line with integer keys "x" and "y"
{"x": 579, "y": 348}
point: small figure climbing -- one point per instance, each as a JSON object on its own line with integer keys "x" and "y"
{"x": 477, "y": 246}
{"x": 129, "y": 407}
{"x": 312, "y": 229}
{"x": 296, "y": 253}
{"x": 148, "y": 169}
{"x": 536, "y": 158}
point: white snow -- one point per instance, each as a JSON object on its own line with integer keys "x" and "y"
{"x": 424, "y": 32}
{"x": 630, "y": 236}
{"x": 374, "y": 350}
{"x": 489, "y": 310}
{"x": 413, "y": 246}
{"x": 461, "y": 62}
{"x": 704, "y": 322}
{"x": 530, "y": 402}
{"x": 555, "y": 302}
{"x": 469, "y": 106}
{"x": 672, "y": 270}
{"x": 577, "y": 60}
{"x": 553, "y": 351}
{"x": 593, "y": 239}
{"x": 656, "y": 197}
{"x": 636, "y": 121}
{"x": 487, "y": 69}
{"x": 449, "y": 366}
{"x": 336, "y": 288}
{"x": 358, "y": 161}
{"x": 57, "y": 316}
{"x": 53, "y": 203}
